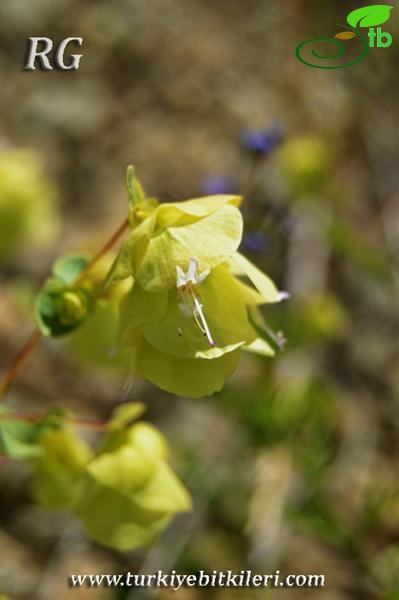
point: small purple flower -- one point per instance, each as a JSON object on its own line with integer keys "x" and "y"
{"x": 254, "y": 241}
{"x": 262, "y": 141}
{"x": 218, "y": 184}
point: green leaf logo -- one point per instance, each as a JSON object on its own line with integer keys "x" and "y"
{"x": 369, "y": 16}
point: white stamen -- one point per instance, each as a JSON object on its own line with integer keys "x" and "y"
{"x": 191, "y": 305}
{"x": 192, "y": 270}
{"x": 200, "y": 278}
{"x": 181, "y": 278}
{"x": 199, "y": 313}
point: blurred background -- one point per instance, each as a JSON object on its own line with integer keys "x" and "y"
{"x": 294, "y": 465}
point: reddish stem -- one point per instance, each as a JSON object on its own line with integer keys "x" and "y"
{"x": 107, "y": 246}
{"x": 17, "y": 362}
{"x": 33, "y": 417}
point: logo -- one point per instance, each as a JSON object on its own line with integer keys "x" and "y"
{"x": 368, "y": 16}
{"x": 41, "y": 55}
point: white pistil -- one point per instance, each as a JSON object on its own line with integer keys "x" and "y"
{"x": 191, "y": 305}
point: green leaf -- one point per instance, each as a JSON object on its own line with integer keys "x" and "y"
{"x": 18, "y": 438}
{"x": 210, "y": 240}
{"x": 369, "y": 16}
{"x": 68, "y": 267}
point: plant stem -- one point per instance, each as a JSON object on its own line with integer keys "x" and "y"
{"x": 107, "y": 246}
{"x": 83, "y": 422}
{"x": 18, "y": 360}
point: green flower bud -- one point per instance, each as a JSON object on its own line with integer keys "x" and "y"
{"x": 60, "y": 306}
{"x": 73, "y": 308}
{"x": 129, "y": 492}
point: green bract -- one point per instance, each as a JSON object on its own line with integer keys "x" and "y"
{"x": 17, "y": 438}
{"x": 60, "y": 306}
{"x": 187, "y": 312}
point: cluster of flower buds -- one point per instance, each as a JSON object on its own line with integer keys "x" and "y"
{"x": 125, "y": 494}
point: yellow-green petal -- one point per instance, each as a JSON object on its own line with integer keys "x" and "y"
{"x": 149, "y": 441}
{"x": 57, "y": 470}
{"x": 209, "y": 240}
{"x": 138, "y": 307}
{"x": 132, "y": 252}
{"x": 113, "y": 518}
{"x": 163, "y": 493}
{"x": 225, "y": 301}
{"x": 181, "y": 213}
{"x": 241, "y": 266}
{"x": 213, "y": 353}
{"x": 191, "y": 377}
{"x": 261, "y": 347}
{"x": 126, "y": 469}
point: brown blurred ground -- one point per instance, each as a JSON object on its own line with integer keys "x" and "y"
{"x": 168, "y": 86}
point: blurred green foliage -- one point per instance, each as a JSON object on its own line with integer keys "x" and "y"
{"x": 28, "y": 209}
